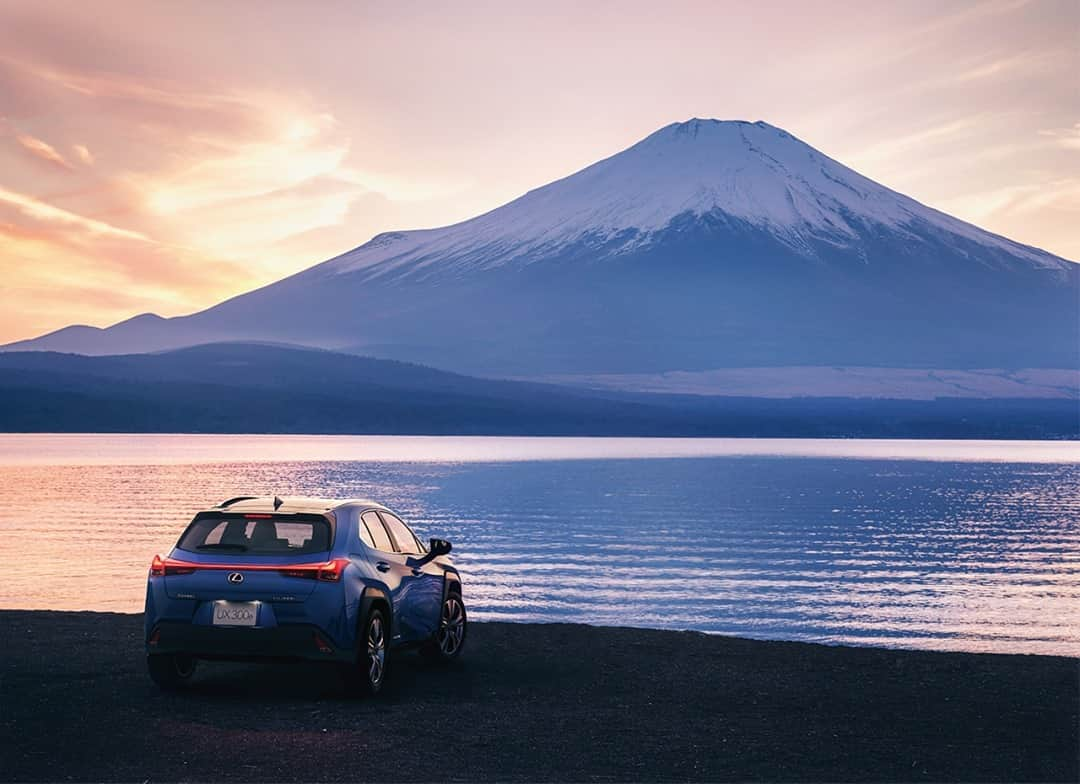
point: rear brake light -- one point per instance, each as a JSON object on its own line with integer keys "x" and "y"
{"x": 166, "y": 566}
{"x": 327, "y": 572}
{"x": 330, "y": 571}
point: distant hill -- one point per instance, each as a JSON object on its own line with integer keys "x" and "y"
{"x": 253, "y": 388}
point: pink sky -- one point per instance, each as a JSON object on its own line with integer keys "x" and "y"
{"x": 164, "y": 156}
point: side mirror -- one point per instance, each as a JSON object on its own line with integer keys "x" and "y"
{"x": 437, "y": 547}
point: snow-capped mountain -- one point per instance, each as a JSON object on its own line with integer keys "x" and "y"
{"x": 750, "y": 172}
{"x": 706, "y": 245}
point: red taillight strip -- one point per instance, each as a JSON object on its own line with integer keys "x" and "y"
{"x": 329, "y": 572}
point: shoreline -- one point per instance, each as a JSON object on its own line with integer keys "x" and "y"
{"x": 534, "y": 702}
{"x": 121, "y": 614}
{"x": 97, "y": 448}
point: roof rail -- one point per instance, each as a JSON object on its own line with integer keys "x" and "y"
{"x": 237, "y": 499}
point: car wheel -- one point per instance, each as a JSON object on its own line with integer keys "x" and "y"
{"x": 449, "y": 638}
{"x": 367, "y": 676}
{"x": 170, "y": 671}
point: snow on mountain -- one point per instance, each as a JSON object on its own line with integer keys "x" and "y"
{"x": 753, "y": 172}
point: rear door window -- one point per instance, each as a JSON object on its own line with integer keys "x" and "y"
{"x": 373, "y": 533}
{"x": 262, "y": 535}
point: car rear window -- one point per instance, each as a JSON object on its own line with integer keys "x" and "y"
{"x": 263, "y": 535}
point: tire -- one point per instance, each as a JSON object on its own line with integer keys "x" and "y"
{"x": 366, "y": 677}
{"x": 449, "y": 639}
{"x": 170, "y": 671}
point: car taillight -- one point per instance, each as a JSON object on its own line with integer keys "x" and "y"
{"x": 328, "y": 572}
{"x": 331, "y": 572}
{"x": 166, "y": 566}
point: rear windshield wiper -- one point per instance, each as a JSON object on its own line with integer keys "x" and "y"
{"x": 222, "y": 547}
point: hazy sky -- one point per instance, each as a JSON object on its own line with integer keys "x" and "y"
{"x": 163, "y": 156}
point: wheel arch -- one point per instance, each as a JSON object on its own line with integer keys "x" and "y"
{"x": 451, "y": 582}
{"x": 375, "y": 597}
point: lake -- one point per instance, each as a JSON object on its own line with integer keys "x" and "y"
{"x": 954, "y": 545}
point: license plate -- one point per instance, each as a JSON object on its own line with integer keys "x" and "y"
{"x": 235, "y": 613}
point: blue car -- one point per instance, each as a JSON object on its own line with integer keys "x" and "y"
{"x": 302, "y": 579}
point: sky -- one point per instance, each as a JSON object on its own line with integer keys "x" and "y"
{"x": 161, "y": 157}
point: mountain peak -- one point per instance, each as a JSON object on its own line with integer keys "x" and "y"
{"x": 718, "y": 132}
{"x": 697, "y": 125}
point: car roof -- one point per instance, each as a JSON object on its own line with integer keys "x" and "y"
{"x": 290, "y": 504}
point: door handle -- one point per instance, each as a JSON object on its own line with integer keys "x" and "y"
{"x": 382, "y": 566}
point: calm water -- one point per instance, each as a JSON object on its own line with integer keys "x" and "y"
{"x": 949, "y": 545}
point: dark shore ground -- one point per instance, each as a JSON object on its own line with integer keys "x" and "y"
{"x": 535, "y": 702}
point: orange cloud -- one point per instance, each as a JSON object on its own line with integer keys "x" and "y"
{"x": 105, "y": 273}
{"x": 42, "y": 150}
{"x": 39, "y": 210}
{"x": 84, "y": 154}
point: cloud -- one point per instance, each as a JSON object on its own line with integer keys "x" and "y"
{"x": 302, "y": 148}
{"x": 1069, "y": 138}
{"x": 225, "y": 172}
{"x": 97, "y": 83}
{"x": 33, "y": 208}
{"x": 1041, "y": 209}
{"x": 42, "y": 150}
{"x": 968, "y": 15}
{"x": 1060, "y": 194}
{"x": 206, "y": 186}
{"x": 898, "y": 147}
{"x": 174, "y": 116}
{"x": 104, "y": 273}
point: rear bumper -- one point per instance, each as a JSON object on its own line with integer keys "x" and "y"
{"x": 288, "y": 641}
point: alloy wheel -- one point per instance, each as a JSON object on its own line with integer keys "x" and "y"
{"x": 451, "y": 626}
{"x": 376, "y": 648}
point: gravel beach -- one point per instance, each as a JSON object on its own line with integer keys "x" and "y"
{"x": 535, "y": 703}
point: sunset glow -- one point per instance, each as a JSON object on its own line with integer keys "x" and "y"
{"x": 163, "y": 157}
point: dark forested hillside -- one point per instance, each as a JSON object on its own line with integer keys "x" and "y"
{"x": 244, "y": 388}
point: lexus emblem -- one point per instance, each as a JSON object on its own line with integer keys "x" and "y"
{"x": 236, "y": 578}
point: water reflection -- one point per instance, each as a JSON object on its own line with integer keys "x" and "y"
{"x": 953, "y": 555}
{"x": 168, "y": 448}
